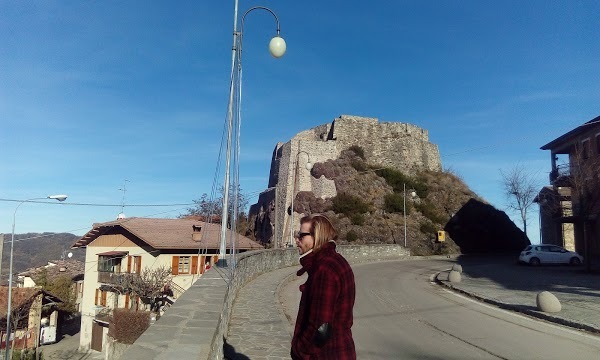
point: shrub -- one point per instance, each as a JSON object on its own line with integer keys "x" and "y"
{"x": 349, "y": 204}
{"x": 351, "y": 236}
{"x": 126, "y": 325}
{"x": 429, "y": 211}
{"x": 359, "y": 165}
{"x": 359, "y": 151}
{"x": 357, "y": 219}
{"x": 396, "y": 179}
{"x": 394, "y": 203}
{"x": 26, "y": 354}
{"x": 428, "y": 228}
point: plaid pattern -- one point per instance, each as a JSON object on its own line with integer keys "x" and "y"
{"x": 327, "y": 297}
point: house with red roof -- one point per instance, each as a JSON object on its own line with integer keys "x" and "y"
{"x": 129, "y": 246}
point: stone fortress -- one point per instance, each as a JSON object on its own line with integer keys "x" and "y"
{"x": 401, "y": 146}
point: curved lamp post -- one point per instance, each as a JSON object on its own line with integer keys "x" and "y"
{"x": 12, "y": 243}
{"x": 308, "y": 166}
{"x": 277, "y": 48}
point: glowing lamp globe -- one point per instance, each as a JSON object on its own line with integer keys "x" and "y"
{"x": 277, "y": 46}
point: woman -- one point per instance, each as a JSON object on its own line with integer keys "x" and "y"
{"x": 324, "y": 321}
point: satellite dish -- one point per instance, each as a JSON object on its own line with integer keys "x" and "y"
{"x": 70, "y": 255}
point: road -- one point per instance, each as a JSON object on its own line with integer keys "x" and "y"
{"x": 400, "y": 314}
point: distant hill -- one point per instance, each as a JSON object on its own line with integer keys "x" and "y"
{"x": 34, "y": 249}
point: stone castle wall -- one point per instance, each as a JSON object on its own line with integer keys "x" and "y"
{"x": 401, "y": 146}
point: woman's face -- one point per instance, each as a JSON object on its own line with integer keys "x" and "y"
{"x": 304, "y": 239}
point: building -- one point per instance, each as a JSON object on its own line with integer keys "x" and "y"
{"x": 73, "y": 269}
{"x": 32, "y": 309}
{"x": 569, "y": 207}
{"x": 126, "y": 248}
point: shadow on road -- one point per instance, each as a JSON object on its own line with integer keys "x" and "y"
{"x": 505, "y": 271}
{"x": 229, "y": 352}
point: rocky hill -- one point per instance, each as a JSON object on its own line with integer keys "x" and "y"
{"x": 369, "y": 206}
{"x": 35, "y": 249}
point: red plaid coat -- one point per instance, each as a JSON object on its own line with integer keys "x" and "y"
{"x": 327, "y": 297}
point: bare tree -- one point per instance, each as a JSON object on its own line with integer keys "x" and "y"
{"x": 520, "y": 189}
{"x": 149, "y": 285}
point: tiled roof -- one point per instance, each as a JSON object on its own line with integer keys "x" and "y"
{"x": 19, "y": 295}
{"x": 559, "y": 141}
{"x": 54, "y": 269}
{"x": 168, "y": 233}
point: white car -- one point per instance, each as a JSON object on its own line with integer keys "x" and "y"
{"x": 549, "y": 254}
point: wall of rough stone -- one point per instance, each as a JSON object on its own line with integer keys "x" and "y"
{"x": 194, "y": 327}
{"x": 398, "y": 145}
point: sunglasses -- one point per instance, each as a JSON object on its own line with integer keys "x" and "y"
{"x": 300, "y": 235}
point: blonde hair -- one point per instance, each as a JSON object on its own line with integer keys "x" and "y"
{"x": 321, "y": 229}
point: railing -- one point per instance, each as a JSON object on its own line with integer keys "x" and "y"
{"x": 103, "y": 314}
{"x": 562, "y": 170}
{"x": 113, "y": 278}
{"x": 177, "y": 290}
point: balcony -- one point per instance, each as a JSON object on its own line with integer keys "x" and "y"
{"x": 560, "y": 174}
{"x": 112, "y": 278}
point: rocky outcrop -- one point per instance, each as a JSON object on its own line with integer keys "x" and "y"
{"x": 481, "y": 228}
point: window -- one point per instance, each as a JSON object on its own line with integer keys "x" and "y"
{"x": 184, "y": 265}
{"x": 109, "y": 263}
{"x": 100, "y": 297}
{"x": 134, "y": 264}
{"x": 585, "y": 149}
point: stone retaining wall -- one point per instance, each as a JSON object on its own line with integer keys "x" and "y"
{"x": 194, "y": 327}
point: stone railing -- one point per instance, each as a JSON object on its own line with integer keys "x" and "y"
{"x": 195, "y": 326}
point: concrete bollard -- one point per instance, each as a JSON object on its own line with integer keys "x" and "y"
{"x": 457, "y": 267}
{"x": 547, "y": 302}
{"x": 454, "y": 276}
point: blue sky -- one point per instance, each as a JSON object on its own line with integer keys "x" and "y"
{"x": 92, "y": 93}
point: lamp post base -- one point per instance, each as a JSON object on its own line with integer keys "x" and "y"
{"x": 222, "y": 263}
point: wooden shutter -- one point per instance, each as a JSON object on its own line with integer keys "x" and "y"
{"x": 96, "y": 298}
{"x": 194, "y": 265}
{"x": 129, "y": 263}
{"x": 139, "y": 264}
{"x": 103, "y": 301}
{"x": 202, "y": 262}
{"x": 175, "y": 265}
{"x": 126, "y": 301}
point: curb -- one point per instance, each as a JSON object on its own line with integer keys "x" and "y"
{"x": 519, "y": 309}
{"x": 291, "y": 277}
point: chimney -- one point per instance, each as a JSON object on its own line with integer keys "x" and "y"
{"x": 196, "y": 232}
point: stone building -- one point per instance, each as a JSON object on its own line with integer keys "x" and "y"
{"x": 402, "y": 146}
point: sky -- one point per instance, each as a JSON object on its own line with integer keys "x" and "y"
{"x": 98, "y": 92}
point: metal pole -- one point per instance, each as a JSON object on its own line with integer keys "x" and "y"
{"x": 224, "y": 214}
{"x": 404, "y": 198}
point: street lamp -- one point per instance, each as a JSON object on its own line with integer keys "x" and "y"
{"x": 277, "y": 48}
{"x": 308, "y": 167}
{"x": 412, "y": 195}
{"x": 10, "y": 273}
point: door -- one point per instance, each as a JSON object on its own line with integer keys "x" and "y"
{"x": 97, "y": 331}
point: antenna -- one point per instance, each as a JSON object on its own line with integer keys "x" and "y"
{"x": 124, "y": 190}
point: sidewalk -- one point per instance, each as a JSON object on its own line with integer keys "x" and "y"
{"x": 258, "y": 329}
{"x": 498, "y": 280}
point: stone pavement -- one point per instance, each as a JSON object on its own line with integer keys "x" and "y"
{"x": 257, "y": 328}
{"x": 498, "y": 280}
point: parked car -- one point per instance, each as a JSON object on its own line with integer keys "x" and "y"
{"x": 549, "y": 254}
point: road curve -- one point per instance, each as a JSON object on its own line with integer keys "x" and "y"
{"x": 400, "y": 314}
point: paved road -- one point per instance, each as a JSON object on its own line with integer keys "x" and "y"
{"x": 399, "y": 314}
